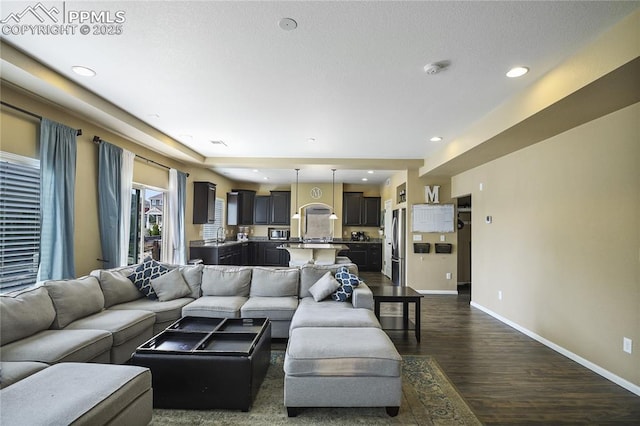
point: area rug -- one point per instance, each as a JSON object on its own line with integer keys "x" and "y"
{"x": 428, "y": 399}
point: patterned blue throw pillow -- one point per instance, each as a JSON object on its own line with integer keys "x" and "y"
{"x": 142, "y": 276}
{"x": 348, "y": 282}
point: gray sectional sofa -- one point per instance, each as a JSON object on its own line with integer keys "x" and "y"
{"x": 103, "y": 317}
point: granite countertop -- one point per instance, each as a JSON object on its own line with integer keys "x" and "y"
{"x": 213, "y": 243}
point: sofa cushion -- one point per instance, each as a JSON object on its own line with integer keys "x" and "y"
{"x": 348, "y": 282}
{"x": 24, "y": 313}
{"x": 192, "y": 274}
{"x": 272, "y": 282}
{"x": 226, "y": 281}
{"x": 80, "y": 394}
{"x": 116, "y": 287}
{"x": 143, "y": 274}
{"x": 274, "y": 308}
{"x": 53, "y": 346}
{"x": 123, "y": 325}
{"x": 324, "y": 287}
{"x": 170, "y": 310}
{"x": 13, "y": 371}
{"x": 340, "y": 351}
{"x": 74, "y": 299}
{"x": 170, "y": 286}
{"x": 330, "y": 314}
{"x": 310, "y": 274}
{"x": 215, "y": 307}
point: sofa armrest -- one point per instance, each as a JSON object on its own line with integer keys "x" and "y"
{"x": 362, "y": 297}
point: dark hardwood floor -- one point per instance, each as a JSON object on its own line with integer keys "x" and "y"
{"x": 505, "y": 376}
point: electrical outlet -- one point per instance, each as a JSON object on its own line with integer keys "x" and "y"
{"x": 442, "y": 238}
{"x": 499, "y": 294}
{"x": 448, "y": 275}
{"x": 627, "y": 345}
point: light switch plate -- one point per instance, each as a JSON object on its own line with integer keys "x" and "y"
{"x": 417, "y": 237}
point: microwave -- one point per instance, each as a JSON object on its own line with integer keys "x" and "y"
{"x": 278, "y": 234}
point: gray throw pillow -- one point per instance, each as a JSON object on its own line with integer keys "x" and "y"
{"x": 192, "y": 274}
{"x": 116, "y": 287}
{"x": 324, "y": 287}
{"x": 272, "y": 282}
{"x": 226, "y": 281}
{"x": 170, "y": 286}
{"x": 24, "y": 313}
{"x": 74, "y": 299}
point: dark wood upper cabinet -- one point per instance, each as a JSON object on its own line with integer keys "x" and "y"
{"x": 240, "y": 207}
{"x": 204, "y": 202}
{"x": 352, "y": 208}
{"x": 280, "y": 208}
{"x": 358, "y": 210}
{"x": 262, "y": 210}
{"x": 371, "y": 211}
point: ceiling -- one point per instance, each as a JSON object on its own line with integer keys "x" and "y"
{"x": 346, "y": 89}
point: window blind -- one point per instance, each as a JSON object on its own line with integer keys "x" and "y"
{"x": 19, "y": 221}
{"x": 209, "y": 230}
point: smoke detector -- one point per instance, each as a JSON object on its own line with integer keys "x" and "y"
{"x": 433, "y": 68}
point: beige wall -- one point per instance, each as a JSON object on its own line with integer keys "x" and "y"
{"x": 19, "y": 134}
{"x": 564, "y": 244}
{"x": 429, "y": 271}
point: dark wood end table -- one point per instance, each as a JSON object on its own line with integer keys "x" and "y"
{"x": 397, "y": 294}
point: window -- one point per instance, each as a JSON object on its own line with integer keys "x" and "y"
{"x": 210, "y": 230}
{"x": 147, "y": 213}
{"x": 19, "y": 221}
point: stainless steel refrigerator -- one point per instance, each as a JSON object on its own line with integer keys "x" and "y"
{"x": 398, "y": 247}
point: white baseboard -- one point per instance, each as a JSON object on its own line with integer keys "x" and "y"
{"x": 455, "y": 292}
{"x": 572, "y": 356}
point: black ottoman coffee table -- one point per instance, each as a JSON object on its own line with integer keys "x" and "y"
{"x": 204, "y": 363}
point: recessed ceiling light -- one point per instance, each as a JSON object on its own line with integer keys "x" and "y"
{"x": 255, "y": 170}
{"x": 311, "y": 140}
{"x": 436, "y": 139}
{"x": 364, "y": 179}
{"x": 288, "y": 24}
{"x": 517, "y": 72}
{"x": 83, "y": 71}
{"x": 265, "y": 178}
{"x": 370, "y": 172}
{"x": 218, "y": 142}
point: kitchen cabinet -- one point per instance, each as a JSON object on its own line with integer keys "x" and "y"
{"x": 352, "y": 208}
{"x": 269, "y": 255}
{"x": 280, "y": 208}
{"x": 261, "y": 210}
{"x": 371, "y": 211}
{"x": 204, "y": 202}
{"x": 274, "y": 209}
{"x": 240, "y": 207}
{"x": 368, "y": 256}
{"x": 224, "y": 254}
{"x": 358, "y": 210}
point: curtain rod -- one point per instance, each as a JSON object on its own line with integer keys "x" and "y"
{"x": 97, "y": 140}
{"x": 39, "y": 117}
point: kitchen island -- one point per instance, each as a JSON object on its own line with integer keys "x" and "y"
{"x": 318, "y": 253}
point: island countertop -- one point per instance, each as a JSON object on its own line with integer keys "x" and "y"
{"x": 313, "y": 246}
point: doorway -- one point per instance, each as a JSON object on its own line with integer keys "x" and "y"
{"x": 387, "y": 219}
{"x": 464, "y": 244}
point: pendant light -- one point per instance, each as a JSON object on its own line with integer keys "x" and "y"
{"x": 333, "y": 215}
{"x": 296, "y": 215}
